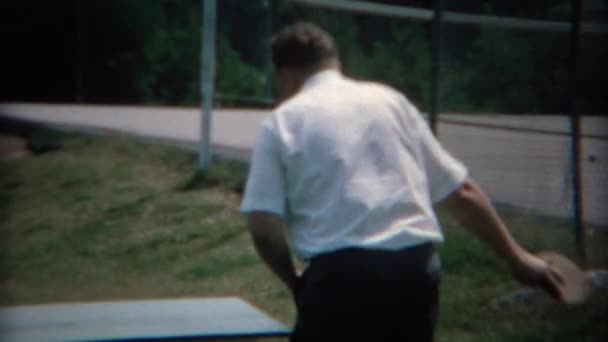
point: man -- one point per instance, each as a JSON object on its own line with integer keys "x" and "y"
{"x": 348, "y": 173}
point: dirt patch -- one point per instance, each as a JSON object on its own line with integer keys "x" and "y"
{"x": 12, "y": 147}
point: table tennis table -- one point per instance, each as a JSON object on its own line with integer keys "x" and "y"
{"x": 190, "y": 319}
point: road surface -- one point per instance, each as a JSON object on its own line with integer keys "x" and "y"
{"x": 529, "y": 170}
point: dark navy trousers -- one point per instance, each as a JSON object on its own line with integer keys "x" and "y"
{"x": 359, "y": 294}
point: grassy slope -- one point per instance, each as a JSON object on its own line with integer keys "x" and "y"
{"x": 105, "y": 219}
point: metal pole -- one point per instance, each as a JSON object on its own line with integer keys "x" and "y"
{"x": 414, "y": 13}
{"x": 435, "y": 60}
{"x": 269, "y": 7}
{"x": 79, "y": 52}
{"x": 577, "y": 197}
{"x": 207, "y": 80}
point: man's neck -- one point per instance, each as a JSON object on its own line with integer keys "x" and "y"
{"x": 304, "y": 76}
{"x": 293, "y": 80}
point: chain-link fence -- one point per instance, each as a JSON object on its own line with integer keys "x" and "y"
{"x": 504, "y": 98}
{"x": 505, "y": 92}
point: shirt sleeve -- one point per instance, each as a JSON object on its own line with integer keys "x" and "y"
{"x": 445, "y": 174}
{"x": 265, "y": 189}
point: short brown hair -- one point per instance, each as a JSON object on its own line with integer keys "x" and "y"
{"x": 303, "y": 46}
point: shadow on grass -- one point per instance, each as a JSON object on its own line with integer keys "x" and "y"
{"x": 216, "y": 268}
{"x": 39, "y": 137}
{"x": 228, "y": 174}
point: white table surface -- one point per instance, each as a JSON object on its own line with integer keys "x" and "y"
{"x": 137, "y": 320}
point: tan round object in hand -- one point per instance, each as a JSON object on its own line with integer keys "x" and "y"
{"x": 574, "y": 288}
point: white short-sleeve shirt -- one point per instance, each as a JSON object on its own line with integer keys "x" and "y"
{"x": 350, "y": 164}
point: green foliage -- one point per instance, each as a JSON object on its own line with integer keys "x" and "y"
{"x": 168, "y": 69}
{"x": 133, "y": 51}
{"x": 234, "y": 77}
{"x": 503, "y": 67}
{"x": 593, "y": 71}
{"x": 403, "y": 62}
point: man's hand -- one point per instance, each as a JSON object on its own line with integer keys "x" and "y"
{"x": 533, "y": 271}
{"x": 473, "y": 210}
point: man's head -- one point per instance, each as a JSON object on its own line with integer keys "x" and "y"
{"x": 298, "y": 52}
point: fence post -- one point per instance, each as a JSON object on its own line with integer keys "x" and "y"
{"x": 575, "y": 139}
{"x": 80, "y": 39}
{"x": 435, "y": 54}
{"x": 207, "y": 78}
{"x": 270, "y": 8}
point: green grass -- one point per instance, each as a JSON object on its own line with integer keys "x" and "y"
{"x": 111, "y": 218}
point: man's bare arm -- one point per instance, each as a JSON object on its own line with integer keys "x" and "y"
{"x": 268, "y": 233}
{"x": 473, "y": 210}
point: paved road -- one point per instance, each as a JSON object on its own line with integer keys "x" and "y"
{"x": 531, "y": 170}
{"x": 232, "y": 130}
{"x": 528, "y": 170}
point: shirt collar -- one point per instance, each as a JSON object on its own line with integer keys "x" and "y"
{"x": 321, "y": 77}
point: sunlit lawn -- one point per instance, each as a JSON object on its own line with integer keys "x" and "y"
{"x": 109, "y": 218}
